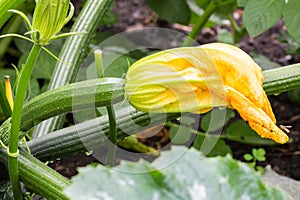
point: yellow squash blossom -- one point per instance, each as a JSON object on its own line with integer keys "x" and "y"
{"x": 195, "y": 79}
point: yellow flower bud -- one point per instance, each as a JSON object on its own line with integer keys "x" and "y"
{"x": 48, "y": 19}
{"x": 195, "y": 79}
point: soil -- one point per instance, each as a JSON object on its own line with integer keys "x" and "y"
{"x": 284, "y": 159}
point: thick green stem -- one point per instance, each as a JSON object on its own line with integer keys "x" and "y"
{"x": 16, "y": 120}
{"x": 282, "y": 79}
{"x": 112, "y": 148}
{"x": 199, "y": 24}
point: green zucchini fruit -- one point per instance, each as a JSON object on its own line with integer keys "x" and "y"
{"x": 92, "y": 133}
{"x": 38, "y": 177}
{"x": 76, "y": 96}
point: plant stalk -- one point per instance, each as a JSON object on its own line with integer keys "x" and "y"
{"x": 21, "y": 89}
{"x": 199, "y": 24}
{"x": 112, "y": 147}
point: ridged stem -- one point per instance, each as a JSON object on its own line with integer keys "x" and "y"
{"x": 282, "y": 79}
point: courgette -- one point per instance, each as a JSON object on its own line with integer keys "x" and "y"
{"x": 92, "y": 133}
{"x": 76, "y": 96}
{"x": 38, "y": 177}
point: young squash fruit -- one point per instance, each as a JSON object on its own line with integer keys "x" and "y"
{"x": 195, "y": 79}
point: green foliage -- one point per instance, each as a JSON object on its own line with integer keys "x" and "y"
{"x": 182, "y": 133}
{"x": 117, "y": 68}
{"x": 241, "y": 132}
{"x": 211, "y": 145}
{"x": 216, "y": 119}
{"x": 242, "y": 3}
{"x": 261, "y": 15}
{"x": 110, "y": 18}
{"x": 292, "y": 47}
{"x": 177, "y": 174}
{"x": 257, "y": 155}
{"x": 294, "y": 95}
{"x": 264, "y": 62}
{"x": 170, "y": 10}
{"x": 6, "y": 5}
{"x": 291, "y": 17}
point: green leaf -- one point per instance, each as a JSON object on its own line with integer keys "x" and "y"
{"x": 264, "y": 62}
{"x": 170, "y": 10}
{"x": 260, "y": 169}
{"x": 294, "y": 95}
{"x": 242, "y": 3}
{"x": 261, "y": 15}
{"x": 5, "y": 5}
{"x": 117, "y": 66}
{"x": 224, "y": 8}
{"x": 182, "y": 133}
{"x": 259, "y": 154}
{"x": 248, "y": 157}
{"x": 109, "y": 18}
{"x": 216, "y": 119}
{"x": 213, "y": 146}
{"x": 225, "y": 36}
{"x": 241, "y": 132}
{"x": 291, "y": 17}
{"x": 292, "y": 47}
{"x": 202, "y": 3}
{"x": 178, "y": 174}
{"x": 197, "y": 11}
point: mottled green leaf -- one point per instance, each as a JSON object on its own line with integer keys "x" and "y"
{"x": 261, "y": 15}
{"x": 177, "y": 174}
{"x": 170, "y": 10}
{"x": 291, "y": 17}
